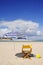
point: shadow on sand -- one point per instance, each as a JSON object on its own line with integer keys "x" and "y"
{"x": 21, "y": 55}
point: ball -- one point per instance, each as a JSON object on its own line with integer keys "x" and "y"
{"x": 38, "y": 56}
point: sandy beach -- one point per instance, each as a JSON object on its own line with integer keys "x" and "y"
{"x": 10, "y": 53}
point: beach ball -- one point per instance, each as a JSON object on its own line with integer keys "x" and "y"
{"x": 38, "y": 56}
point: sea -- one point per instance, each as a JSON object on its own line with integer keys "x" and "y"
{"x": 19, "y": 40}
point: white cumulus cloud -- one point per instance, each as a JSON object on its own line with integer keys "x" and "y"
{"x": 3, "y": 31}
{"x": 22, "y": 26}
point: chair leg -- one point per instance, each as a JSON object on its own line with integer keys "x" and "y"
{"x": 27, "y": 56}
{"x": 24, "y": 55}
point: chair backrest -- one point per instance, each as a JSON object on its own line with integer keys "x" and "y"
{"x": 24, "y": 47}
{"x": 27, "y": 46}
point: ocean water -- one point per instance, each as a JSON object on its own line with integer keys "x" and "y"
{"x": 6, "y": 40}
{"x": 20, "y": 40}
{"x": 13, "y": 40}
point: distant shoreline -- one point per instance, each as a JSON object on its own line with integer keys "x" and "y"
{"x": 20, "y": 41}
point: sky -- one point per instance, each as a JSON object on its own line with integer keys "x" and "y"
{"x": 21, "y": 13}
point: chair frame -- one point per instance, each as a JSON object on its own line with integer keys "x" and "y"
{"x": 26, "y": 55}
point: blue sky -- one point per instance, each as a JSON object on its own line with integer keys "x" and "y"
{"x": 22, "y": 9}
{"x": 26, "y": 10}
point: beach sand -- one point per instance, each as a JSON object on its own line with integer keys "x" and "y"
{"x": 10, "y": 53}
